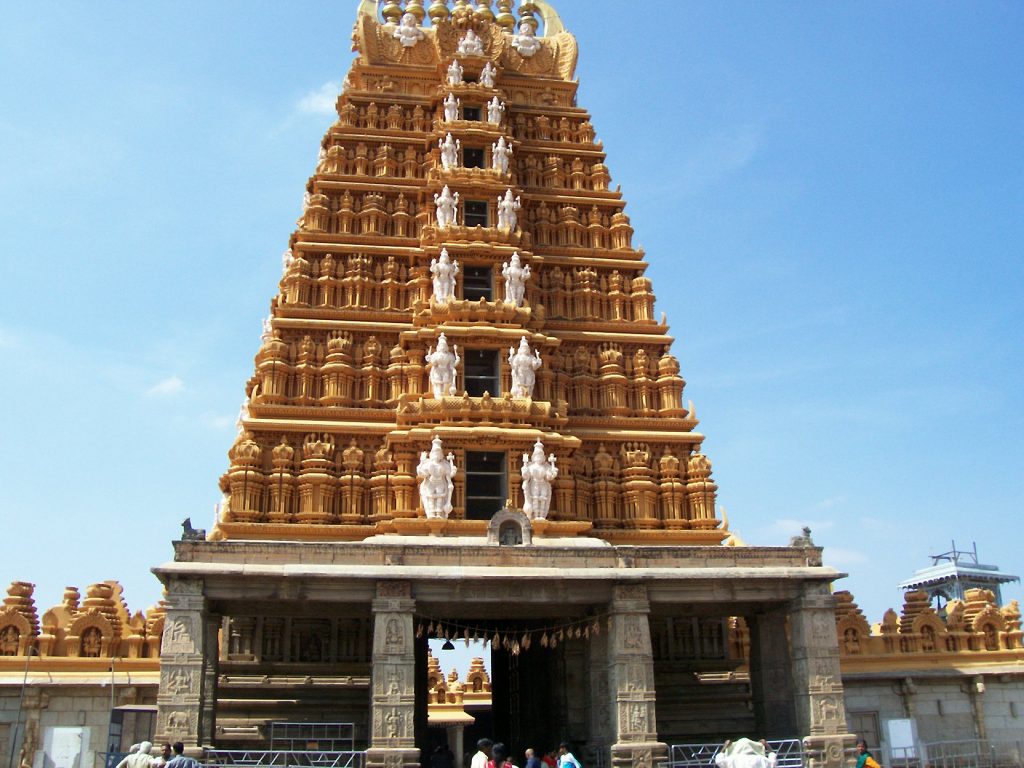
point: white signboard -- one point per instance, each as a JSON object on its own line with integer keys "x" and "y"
{"x": 65, "y": 747}
{"x": 902, "y": 735}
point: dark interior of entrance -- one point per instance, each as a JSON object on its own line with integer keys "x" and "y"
{"x": 539, "y": 696}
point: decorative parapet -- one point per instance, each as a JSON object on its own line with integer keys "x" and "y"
{"x": 93, "y": 630}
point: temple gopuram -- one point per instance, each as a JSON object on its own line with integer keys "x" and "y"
{"x": 465, "y": 423}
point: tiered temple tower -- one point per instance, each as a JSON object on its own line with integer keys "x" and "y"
{"x": 465, "y": 420}
{"x": 340, "y": 406}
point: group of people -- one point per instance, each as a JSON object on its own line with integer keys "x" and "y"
{"x": 171, "y": 756}
{"x": 497, "y": 755}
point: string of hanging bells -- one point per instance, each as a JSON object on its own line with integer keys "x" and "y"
{"x": 516, "y": 640}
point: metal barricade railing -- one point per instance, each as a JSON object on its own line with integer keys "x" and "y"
{"x": 250, "y": 758}
{"x": 789, "y": 753}
{"x": 964, "y": 753}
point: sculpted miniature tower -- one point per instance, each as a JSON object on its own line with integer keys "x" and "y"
{"x": 463, "y": 314}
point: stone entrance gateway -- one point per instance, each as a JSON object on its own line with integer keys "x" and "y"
{"x": 312, "y": 631}
{"x": 464, "y": 406}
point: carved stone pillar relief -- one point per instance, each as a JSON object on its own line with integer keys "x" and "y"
{"x": 631, "y": 680}
{"x": 188, "y": 667}
{"x": 817, "y": 684}
{"x": 393, "y": 707}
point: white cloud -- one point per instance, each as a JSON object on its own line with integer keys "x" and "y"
{"x": 843, "y": 557}
{"x": 321, "y": 101}
{"x": 216, "y": 421}
{"x": 720, "y": 156}
{"x": 794, "y": 526}
{"x": 167, "y": 387}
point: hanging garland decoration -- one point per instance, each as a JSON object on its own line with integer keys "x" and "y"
{"x": 515, "y": 641}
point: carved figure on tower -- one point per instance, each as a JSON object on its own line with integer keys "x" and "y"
{"x": 500, "y": 154}
{"x": 450, "y": 148}
{"x": 524, "y": 364}
{"x": 516, "y": 274}
{"x": 495, "y": 111}
{"x": 437, "y": 480}
{"x": 487, "y": 75}
{"x": 243, "y": 415}
{"x": 507, "y": 209}
{"x": 451, "y": 108}
{"x": 408, "y": 33}
{"x": 538, "y": 472}
{"x": 443, "y": 362}
{"x": 455, "y": 73}
{"x": 443, "y": 271}
{"x": 526, "y": 41}
{"x": 286, "y": 260}
{"x": 471, "y": 45}
{"x": 447, "y": 208}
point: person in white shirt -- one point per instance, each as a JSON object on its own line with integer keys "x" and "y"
{"x": 565, "y": 757}
{"x": 483, "y": 753}
{"x": 745, "y": 753}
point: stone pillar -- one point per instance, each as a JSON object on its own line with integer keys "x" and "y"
{"x": 771, "y": 676}
{"x": 457, "y": 743}
{"x": 393, "y": 702}
{"x": 188, "y": 668}
{"x": 598, "y": 698}
{"x": 817, "y": 683}
{"x": 631, "y": 681}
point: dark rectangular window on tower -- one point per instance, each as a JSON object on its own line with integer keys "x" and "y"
{"x": 477, "y": 284}
{"x": 472, "y": 157}
{"x": 475, "y": 213}
{"x": 486, "y": 484}
{"x": 471, "y": 113}
{"x": 480, "y": 368}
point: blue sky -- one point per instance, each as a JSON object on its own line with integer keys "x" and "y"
{"x": 829, "y": 194}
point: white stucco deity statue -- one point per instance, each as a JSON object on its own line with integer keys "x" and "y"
{"x": 243, "y": 415}
{"x": 495, "y": 111}
{"x": 437, "y": 480}
{"x": 516, "y": 274}
{"x": 524, "y": 364}
{"x": 449, "y": 152}
{"x": 471, "y": 44}
{"x": 268, "y": 329}
{"x": 286, "y": 260}
{"x": 526, "y": 41}
{"x": 538, "y": 472}
{"x": 455, "y": 73}
{"x": 507, "y": 208}
{"x": 500, "y": 154}
{"x": 408, "y": 33}
{"x": 487, "y": 75}
{"x": 447, "y": 208}
{"x": 442, "y": 362}
{"x": 443, "y": 271}
{"x": 451, "y": 108}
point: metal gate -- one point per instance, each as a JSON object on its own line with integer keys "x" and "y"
{"x": 297, "y": 745}
{"x": 789, "y": 753}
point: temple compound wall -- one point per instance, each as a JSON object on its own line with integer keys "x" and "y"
{"x": 695, "y": 671}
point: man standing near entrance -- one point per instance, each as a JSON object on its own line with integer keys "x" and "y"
{"x": 532, "y": 761}
{"x": 483, "y": 753}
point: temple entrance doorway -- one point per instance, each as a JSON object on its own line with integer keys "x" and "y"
{"x": 544, "y": 674}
